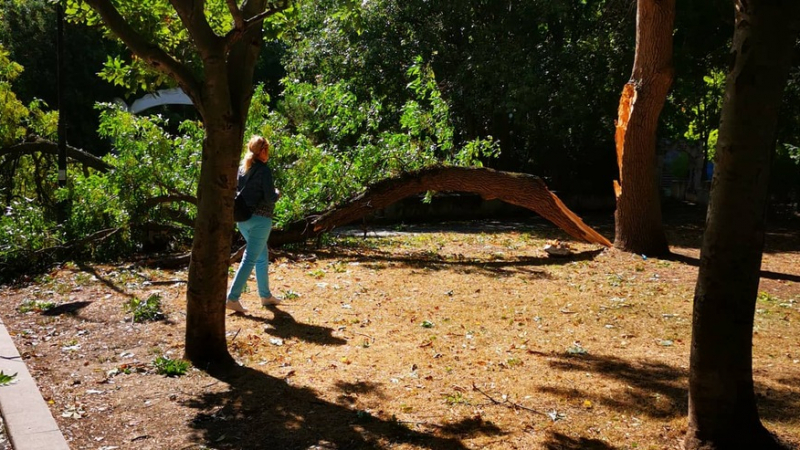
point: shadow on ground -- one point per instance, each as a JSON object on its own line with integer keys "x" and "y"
{"x": 657, "y": 390}
{"x": 284, "y": 326}
{"x": 695, "y": 262}
{"x": 261, "y": 411}
{"x": 558, "y": 441}
{"x": 523, "y": 266}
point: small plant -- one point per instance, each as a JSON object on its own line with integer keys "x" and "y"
{"x": 145, "y": 310}
{"x": 427, "y": 324}
{"x": 82, "y": 279}
{"x": 513, "y": 362}
{"x": 767, "y": 297}
{"x": 290, "y": 294}
{"x": 35, "y": 306}
{"x": 615, "y": 280}
{"x": 456, "y": 399}
{"x": 6, "y": 379}
{"x": 316, "y": 273}
{"x": 338, "y": 267}
{"x": 170, "y": 367}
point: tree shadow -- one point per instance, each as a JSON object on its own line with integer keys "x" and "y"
{"x": 695, "y": 262}
{"x": 350, "y": 391}
{"x": 496, "y": 267}
{"x": 648, "y": 388}
{"x": 558, "y": 441}
{"x": 261, "y": 411}
{"x": 66, "y": 308}
{"x": 685, "y": 224}
{"x": 283, "y": 325}
{"x": 103, "y": 279}
{"x": 658, "y": 390}
{"x": 471, "y": 426}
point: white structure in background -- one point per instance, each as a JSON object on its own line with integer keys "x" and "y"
{"x": 174, "y": 96}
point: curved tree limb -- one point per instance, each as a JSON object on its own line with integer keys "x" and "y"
{"x": 527, "y": 191}
{"x": 45, "y": 146}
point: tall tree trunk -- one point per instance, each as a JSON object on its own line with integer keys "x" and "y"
{"x": 206, "y": 345}
{"x": 638, "y": 216}
{"x": 722, "y": 406}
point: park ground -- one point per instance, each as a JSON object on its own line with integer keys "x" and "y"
{"x": 419, "y": 337}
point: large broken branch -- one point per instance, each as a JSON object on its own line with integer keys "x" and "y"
{"x": 519, "y": 189}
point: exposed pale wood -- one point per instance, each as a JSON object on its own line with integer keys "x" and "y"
{"x": 519, "y": 189}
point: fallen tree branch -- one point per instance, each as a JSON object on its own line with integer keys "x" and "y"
{"x": 506, "y": 403}
{"x": 527, "y": 191}
{"x": 40, "y": 145}
{"x": 93, "y": 238}
{"x": 519, "y": 189}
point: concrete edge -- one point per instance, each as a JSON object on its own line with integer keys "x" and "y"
{"x": 29, "y": 423}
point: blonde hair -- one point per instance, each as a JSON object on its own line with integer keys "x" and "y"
{"x": 254, "y": 146}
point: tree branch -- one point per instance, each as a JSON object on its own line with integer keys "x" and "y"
{"x": 242, "y": 25}
{"x": 146, "y": 50}
{"x": 193, "y": 17}
{"x": 519, "y": 189}
{"x": 238, "y": 18}
{"x": 45, "y": 146}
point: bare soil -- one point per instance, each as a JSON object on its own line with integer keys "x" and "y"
{"x": 467, "y": 336}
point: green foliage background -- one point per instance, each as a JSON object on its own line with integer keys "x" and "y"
{"x": 350, "y": 93}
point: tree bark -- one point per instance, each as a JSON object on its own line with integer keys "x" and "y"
{"x": 518, "y": 189}
{"x": 206, "y": 345}
{"x": 638, "y": 217}
{"x": 722, "y": 404}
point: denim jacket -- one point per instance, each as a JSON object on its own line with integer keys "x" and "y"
{"x": 259, "y": 193}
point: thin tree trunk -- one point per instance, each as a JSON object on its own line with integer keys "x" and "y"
{"x": 206, "y": 345}
{"x": 638, "y": 217}
{"x": 722, "y": 404}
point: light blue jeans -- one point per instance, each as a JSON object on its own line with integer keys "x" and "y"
{"x": 256, "y": 254}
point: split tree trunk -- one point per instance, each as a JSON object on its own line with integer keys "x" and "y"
{"x": 722, "y": 404}
{"x": 638, "y": 217}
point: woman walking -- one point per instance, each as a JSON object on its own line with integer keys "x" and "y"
{"x": 256, "y": 186}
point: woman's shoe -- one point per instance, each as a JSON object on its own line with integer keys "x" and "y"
{"x": 270, "y": 301}
{"x": 234, "y": 305}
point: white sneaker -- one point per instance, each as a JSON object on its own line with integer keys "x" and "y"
{"x": 270, "y": 301}
{"x": 234, "y": 305}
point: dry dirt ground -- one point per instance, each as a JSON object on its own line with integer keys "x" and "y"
{"x": 464, "y": 337}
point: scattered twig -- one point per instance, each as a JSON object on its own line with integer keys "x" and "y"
{"x": 372, "y": 339}
{"x": 506, "y": 403}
